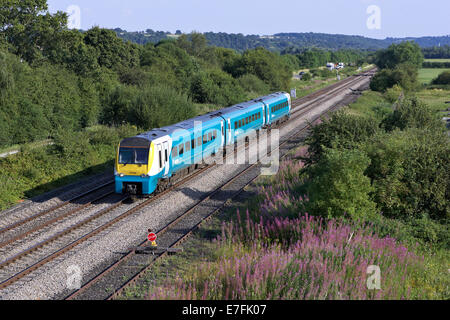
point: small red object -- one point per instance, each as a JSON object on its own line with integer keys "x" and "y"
{"x": 151, "y": 236}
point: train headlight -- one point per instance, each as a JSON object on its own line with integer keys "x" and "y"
{"x": 144, "y": 176}
{"x": 121, "y": 175}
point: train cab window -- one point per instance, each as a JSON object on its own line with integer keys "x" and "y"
{"x": 187, "y": 146}
{"x": 175, "y": 152}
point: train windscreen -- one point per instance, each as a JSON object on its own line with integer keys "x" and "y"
{"x": 129, "y": 155}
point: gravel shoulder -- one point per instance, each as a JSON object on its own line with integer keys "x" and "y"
{"x": 54, "y": 279}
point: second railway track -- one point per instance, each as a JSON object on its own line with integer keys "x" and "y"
{"x": 35, "y": 257}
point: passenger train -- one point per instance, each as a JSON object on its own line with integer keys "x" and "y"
{"x": 149, "y": 161}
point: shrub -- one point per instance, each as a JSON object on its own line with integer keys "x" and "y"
{"x": 404, "y": 75}
{"x": 251, "y": 83}
{"x": 217, "y": 87}
{"x": 306, "y": 76}
{"x": 410, "y": 173}
{"x": 393, "y": 94}
{"x": 443, "y": 78}
{"x": 338, "y": 186}
{"x": 411, "y": 113}
{"x": 342, "y": 130}
{"x": 325, "y": 261}
{"x": 158, "y": 106}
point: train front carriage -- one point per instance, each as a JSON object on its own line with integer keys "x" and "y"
{"x": 140, "y": 163}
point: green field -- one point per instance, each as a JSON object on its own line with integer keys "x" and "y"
{"x": 437, "y": 60}
{"x": 428, "y": 74}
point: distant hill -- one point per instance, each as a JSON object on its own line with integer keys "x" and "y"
{"x": 284, "y": 41}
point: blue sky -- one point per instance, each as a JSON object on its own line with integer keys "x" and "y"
{"x": 398, "y": 18}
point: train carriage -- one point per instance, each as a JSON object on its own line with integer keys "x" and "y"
{"x": 149, "y": 160}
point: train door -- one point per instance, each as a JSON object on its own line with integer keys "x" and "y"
{"x": 229, "y": 131}
{"x": 223, "y": 134}
{"x": 166, "y": 157}
{"x": 159, "y": 154}
{"x": 264, "y": 115}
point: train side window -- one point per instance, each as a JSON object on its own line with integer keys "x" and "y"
{"x": 167, "y": 156}
{"x": 160, "y": 159}
{"x": 205, "y": 139}
{"x": 215, "y": 134}
{"x": 235, "y": 124}
{"x": 181, "y": 149}
{"x": 187, "y": 146}
{"x": 199, "y": 141}
{"x": 253, "y": 117}
{"x": 246, "y": 120}
{"x": 175, "y": 152}
{"x": 210, "y": 136}
{"x": 193, "y": 143}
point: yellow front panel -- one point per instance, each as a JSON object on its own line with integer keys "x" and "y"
{"x": 134, "y": 169}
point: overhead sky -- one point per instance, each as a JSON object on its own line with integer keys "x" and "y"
{"x": 370, "y": 18}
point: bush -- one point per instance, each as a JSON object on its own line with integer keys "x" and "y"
{"x": 410, "y": 173}
{"x": 411, "y": 113}
{"x": 217, "y": 87}
{"x": 158, "y": 106}
{"x": 404, "y": 75}
{"x": 338, "y": 186}
{"x": 251, "y": 83}
{"x": 443, "y": 78}
{"x": 393, "y": 94}
{"x": 306, "y": 76}
{"x": 342, "y": 130}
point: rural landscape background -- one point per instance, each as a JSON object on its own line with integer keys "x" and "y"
{"x": 370, "y": 185}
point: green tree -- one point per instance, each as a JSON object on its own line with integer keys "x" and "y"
{"x": 405, "y": 52}
{"x": 267, "y": 66}
{"x": 113, "y": 53}
{"x": 404, "y": 75}
{"x": 29, "y": 27}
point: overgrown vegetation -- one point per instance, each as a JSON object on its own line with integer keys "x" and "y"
{"x": 372, "y": 184}
{"x": 399, "y": 65}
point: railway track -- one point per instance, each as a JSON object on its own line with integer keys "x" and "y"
{"x": 26, "y": 261}
{"x": 187, "y": 215}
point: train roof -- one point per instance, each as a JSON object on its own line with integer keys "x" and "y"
{"x": 211, "y": 116}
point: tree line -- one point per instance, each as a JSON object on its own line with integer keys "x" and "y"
{"x": 53, "y": 79}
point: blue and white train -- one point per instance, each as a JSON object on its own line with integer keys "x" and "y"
{"x": 151, "y": 160}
